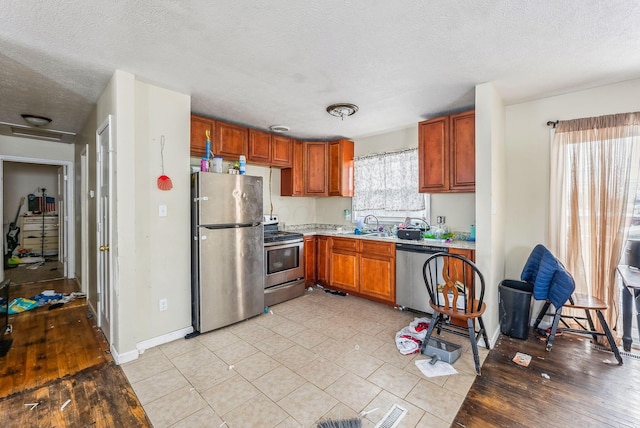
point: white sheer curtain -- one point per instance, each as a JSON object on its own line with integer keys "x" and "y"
{"x": 388, "y": 182}
{"x": 593, "y": 161}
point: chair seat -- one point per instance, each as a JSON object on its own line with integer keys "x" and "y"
{"x": 459, "y": 313}
{"x": 583, "y": 301}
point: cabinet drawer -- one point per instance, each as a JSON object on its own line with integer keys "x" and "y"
{"x": 36, "y": 242}
{"x": 38, "y": 234}
{"x": 39, "y": 227}
{"x": 345, "y": 244}
{"x": 378, "y": 248}
{"x": 39, "y": 220}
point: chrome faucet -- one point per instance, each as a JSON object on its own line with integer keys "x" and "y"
{"x": 407, "y": 222}
{"x": 366, "y": 221}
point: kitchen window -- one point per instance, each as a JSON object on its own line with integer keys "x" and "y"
{"x": 386, "y": 185}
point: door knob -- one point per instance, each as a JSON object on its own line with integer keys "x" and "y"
{"x": 104, "y": 248}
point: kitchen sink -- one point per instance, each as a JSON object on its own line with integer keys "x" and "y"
{"x": 367, "y": 233}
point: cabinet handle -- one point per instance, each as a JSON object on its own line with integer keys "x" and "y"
{"x": 104, "y": 248}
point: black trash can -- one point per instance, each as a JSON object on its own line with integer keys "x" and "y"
{"x": 515, "y": 307}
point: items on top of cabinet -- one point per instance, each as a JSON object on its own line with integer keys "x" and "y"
{"x": 208, "y": 144}
{"x": 242, "y": 165}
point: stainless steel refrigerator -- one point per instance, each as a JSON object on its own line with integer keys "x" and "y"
{"x": 227, "y": 271}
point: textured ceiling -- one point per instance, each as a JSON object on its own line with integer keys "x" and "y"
{"x": 261, "y": 63}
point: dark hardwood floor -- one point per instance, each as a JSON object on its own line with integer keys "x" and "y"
{"x": 586, "y": 387}
{"x": 59, "y": 355}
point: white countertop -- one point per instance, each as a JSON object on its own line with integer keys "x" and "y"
{"x": 468, "y": 245}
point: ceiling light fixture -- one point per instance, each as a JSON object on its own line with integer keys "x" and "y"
{"x": 342, "y": 110}
{"x": 279, "y": 128}
{"x": 36, "y": 120}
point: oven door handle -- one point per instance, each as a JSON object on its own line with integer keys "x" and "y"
{"x": 278, "y": 244}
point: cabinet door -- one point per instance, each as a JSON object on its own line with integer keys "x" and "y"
{"x": 259, "y": 147}
{"x": 322, "y": 259}
{"x": 343, "y": 265}
{"x": 458, "y": 276}
{"x": 281, "y": 151}
{"x": 433, "y": 155}
{"x": 462, "y": 152}
{"x": 230, "y": 140}
{"x": 292, "y": 179}
{"x": 315, "y": 168}
{"x": 377, "y": 268}
{"x": 199, "y": 128}
{"x": 341, "y": 168}
{"x": 310, "y": 260}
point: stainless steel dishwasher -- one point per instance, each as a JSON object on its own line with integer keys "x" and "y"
{"x": 411, "y": 292}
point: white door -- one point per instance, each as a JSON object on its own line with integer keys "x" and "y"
{"x": 61, "y": 199}
{"x": 84, "y": 219}
{"x": 104, "y": 230}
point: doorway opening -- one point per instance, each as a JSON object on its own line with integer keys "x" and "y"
{"x": 37, "y": 204}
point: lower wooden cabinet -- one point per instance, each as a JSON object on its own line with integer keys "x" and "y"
{"x": 310, "y": 260}
{"x": 471, "y": 255}
{"x": 363, "y": 268}
{"x": 378, "y": 270}
{"x": 344, "y": 270}
{"x": 323, "y": 248}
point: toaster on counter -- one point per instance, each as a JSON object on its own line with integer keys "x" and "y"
{"x": 411, "y": 234}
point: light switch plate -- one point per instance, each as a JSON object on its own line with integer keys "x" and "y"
{"x": 162, "y": 210}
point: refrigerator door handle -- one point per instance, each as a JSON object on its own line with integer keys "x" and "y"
{"x": 228, "y": 226}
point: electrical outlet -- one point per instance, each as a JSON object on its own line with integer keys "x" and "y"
{"x": 440, "y": 219}
{"x": 162, "y": 305}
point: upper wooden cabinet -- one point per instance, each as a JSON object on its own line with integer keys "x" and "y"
{"x": 230, "y": 140}
{"x": 281, "y": 151}
{"x": 341, "y": 168}
{"x": 292, "y": 179}
{"x": 269, "y": 149}
{"x": 319, "y": 169}
{"x": 446, "y": 154}
{"x": 315, "y": 168}
{"x": 199, "y": 127}
{"x": 259, "y": 147}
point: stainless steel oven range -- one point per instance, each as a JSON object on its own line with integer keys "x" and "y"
{"x": 284, "y": 263}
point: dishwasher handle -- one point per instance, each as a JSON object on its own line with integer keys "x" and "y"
{"x": 424, "y": 249}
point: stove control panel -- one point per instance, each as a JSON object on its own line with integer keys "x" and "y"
{"x": 270, "y": 219}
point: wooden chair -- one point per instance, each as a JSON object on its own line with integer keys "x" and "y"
{"x": 456, "y": 293}
{"x": 581, "y": 302}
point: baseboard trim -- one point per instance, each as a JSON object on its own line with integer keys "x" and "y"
{"x": 124, "y": 357}
{"x": 165, "y": 338}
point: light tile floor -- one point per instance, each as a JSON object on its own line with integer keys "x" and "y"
{"x": 319, "y": 356}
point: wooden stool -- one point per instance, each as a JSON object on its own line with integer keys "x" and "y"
{"x": 587, "y": 303}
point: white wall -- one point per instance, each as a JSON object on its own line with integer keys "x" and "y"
{"x": 22, "y": 179}
{"x": 458, "y": 208}
{"x": 152, "y": 254}
{"x": 162, "y": 244}
{"x": 87, "y": 138}
{"x": 527, "y": 158}
{"x": 490, "y": 198}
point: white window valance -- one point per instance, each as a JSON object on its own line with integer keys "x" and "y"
{"x": 387, "y": 181}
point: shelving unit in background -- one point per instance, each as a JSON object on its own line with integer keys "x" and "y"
{"x": 39, "y": 233}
